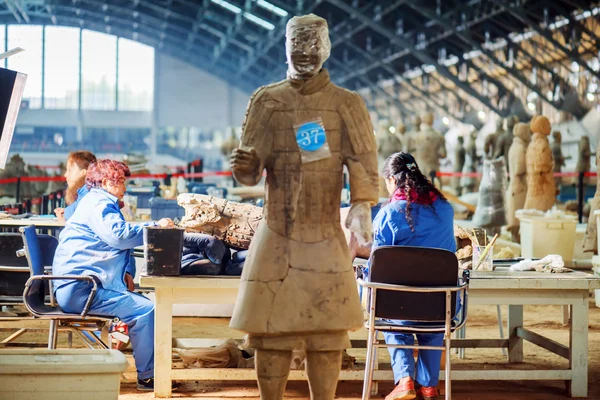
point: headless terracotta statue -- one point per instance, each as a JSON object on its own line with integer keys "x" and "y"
{"x": 590, "y": 241}
{"x": 559, "y": 159}
{"x": 459, "y": 162}
{"x": 430, "y": 147}
{"x": 297, "y": 288}
{"x": 541, "y": 189}
{"x": 517, "y": 187}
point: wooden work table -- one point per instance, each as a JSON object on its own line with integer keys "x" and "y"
{"x": 514, "y": 289}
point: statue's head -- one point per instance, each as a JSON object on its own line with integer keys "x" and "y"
{"x": 499, "y": 124}
{"x": 557, "y": 136}
{"x": 541, "y": 124}
{"x": 401, "y": 129}
{"x": 521, "y": 130}
{"x": 427, "y": 118}
{"x": 307, "y": 45}
{"x": 416, "y": 121}
{"x": 511, "y": 122}
{"x": 585, "y": 140}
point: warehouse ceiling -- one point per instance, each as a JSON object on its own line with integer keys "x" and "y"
{"x": 452, "y": 56}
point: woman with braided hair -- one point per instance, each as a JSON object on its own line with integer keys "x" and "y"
{"x": 417, "y": 214}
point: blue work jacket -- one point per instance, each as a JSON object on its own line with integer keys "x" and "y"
{"x": 98, "y": 241}
{"x": 433, "y": 226}
{"x": 69, "y": 210}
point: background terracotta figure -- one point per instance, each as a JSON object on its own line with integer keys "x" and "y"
{"x": 491, "y": 141}
{"x": 557, "y": 155}
{"x": 517, "y": 186}
{"x": 505, "y": 139}
{"x": 430, "y": 147}
{"x": 471, "y": 161}
{"x": 583, "y": 157}
{"x": 411, "y": 142}
{"x": 401, "y": 134}
{"x": 388, "y": 143}
{"x": 459, "y": 163}
{"x": 541, "y": 189}
{"x": 590, "y": 241}
{"x": 297, "y": 287}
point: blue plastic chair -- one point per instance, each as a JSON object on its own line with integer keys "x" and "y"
{"x": 39, "y": 251}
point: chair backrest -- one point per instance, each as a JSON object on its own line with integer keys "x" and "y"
{"x": 39, "y": 251}
{"x": 12, "y": 281}
{"x": 417, "y": 267}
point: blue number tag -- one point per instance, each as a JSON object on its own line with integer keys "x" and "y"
{"x": 310, "y": 136}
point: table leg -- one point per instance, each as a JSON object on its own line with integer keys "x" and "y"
{"x": 578, "y": 345}
{"x": 163, "y": 322}
{"x": 565, "y": 318}
{"x": 515, "y": 343}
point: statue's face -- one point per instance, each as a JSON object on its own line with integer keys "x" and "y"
{"x": 306, "y": 52}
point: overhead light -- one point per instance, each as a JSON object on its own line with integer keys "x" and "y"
{"x": 590, "y": 96}
{"x": 481, "y": 115}
{"x": 446, "y": 121}
{"x": 550, "y": 95}
{"x": 227, "y": 5}
{"x": 392, "y": 129}
{"x": 531, "y": 106}
{"x": 259, "y": 21}
{"x": 274, "y": 9}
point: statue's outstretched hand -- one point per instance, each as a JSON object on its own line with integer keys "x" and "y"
{"x": 244, "y": 161}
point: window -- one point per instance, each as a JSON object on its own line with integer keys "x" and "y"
{"x": 61, "y": 80}
{"x": 99, "y": 71}
{"x": 28, "y": 37}
{"x": 136, "y": 76}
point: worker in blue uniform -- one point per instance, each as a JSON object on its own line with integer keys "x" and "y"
{"x": 78, "y": 163}
{"x": 97, "y": 241}
{"x": 417, "y": 214}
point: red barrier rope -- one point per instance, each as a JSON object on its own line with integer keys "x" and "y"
{"x": 479, "y": 174}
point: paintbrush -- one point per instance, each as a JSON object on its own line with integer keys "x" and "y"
{"x": 485, "y": 252}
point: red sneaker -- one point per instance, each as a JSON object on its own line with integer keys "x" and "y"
{"x": 405, "y": 390}
{"x": 428, "y": 393}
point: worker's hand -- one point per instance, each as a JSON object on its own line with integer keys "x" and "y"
{"x": 244, "y": 161}
{"x": 166, "y": 223}
{"x": 59, "y": 212}
{"x": 129, "y": 282}
{"x": 359, "y": 222}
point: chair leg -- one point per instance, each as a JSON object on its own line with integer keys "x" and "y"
{"x": 500, "y": 327}
{"x": 368, "y": 380}
{"x": 448, "y": 369}
{"x": 70, "y": 339}
{"x": 52, "y": 334}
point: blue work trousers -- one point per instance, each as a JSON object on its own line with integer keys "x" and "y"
{"x": 403, "y": 363}
{"x": 135, "y": 310}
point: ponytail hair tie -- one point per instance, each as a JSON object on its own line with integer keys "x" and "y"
{"x": 411, "y": 166}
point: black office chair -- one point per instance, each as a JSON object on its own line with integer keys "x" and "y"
{"x": 34, "y": 295}
{"x": 415, "y": 284}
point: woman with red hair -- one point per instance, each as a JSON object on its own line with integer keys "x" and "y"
{"x": 97, "y": 242}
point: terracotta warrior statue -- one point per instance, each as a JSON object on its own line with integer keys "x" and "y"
{"x": 557, "y": 155}
{"x": 401, "y": 134}
{"x": 490, "y": 144}
{"x": 297, "y": 288}
{"x": 583, "y": 159}
{"x": 430, "y": 147}
{"x": 541, "y": 189}
{"x": 590, "y": 241}
{"x": 506, "y": 139}
{"x": 411, "y": 143}
{"x": 517, "y": 187}
{"x": 471, "y": 161}
{"x": 388, "y": 143}
{"x": 459, "y": 163}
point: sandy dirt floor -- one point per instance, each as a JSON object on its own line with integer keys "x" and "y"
{"x": 545, "y": 320}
